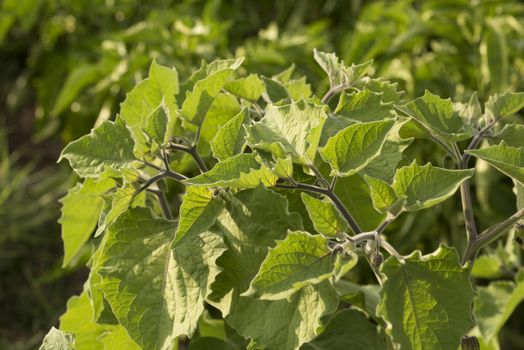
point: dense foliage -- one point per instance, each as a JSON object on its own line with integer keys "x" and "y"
{"x": 67, "y": 65}
{"x": 294, "y": 193}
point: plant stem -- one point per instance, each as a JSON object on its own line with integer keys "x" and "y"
{"x": 191, "y": 150}
{"x": 158, "y": 177}
{"x": 489, "y": 235}
{"x": 331, "y": 195}
{"x": 332, "y": 92}
{"x": 162, "y": 200}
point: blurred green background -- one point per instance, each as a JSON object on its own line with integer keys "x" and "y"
{"x": 65, "y": 66}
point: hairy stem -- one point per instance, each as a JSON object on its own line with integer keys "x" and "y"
{"x": 332, "y": 92}
{"x": 489, "y": 235}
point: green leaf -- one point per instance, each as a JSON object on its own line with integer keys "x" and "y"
{"x": 439, "y": 116}
{"x": 299, "y": 89}
{"x": 250, "y": 87}
{"x": 487, "y": 266}
{"x": 155, "y": 289}
{"x": 78, "y": 320}
{"x": 119, "y": 202}
{"x": 363, "y": 106}
{"x": 110, "y": 145}
{"x": 354, "y": 147}
{"x": 251, "y": 223}
{"x": 230, "y": 138}
{"x": 384, "y": 166}
{"x": 495, "y": 303}
{"x": 426, "y": 186}
{"x": 364, "y": 297}
{"x": 198, "y": 101}
{"x": 293, "y": 322}
{"x": 337, "y": 72}
{"x": 427, "y": 300}
{"x": 156, "y": 125}
{"x": 290, "y": 130}
{"x": 276, "y": 91}
{"x": 147, "y": 96}
{"x": 511, "y": 134}
{"x": 354, "y": 193}
{"x": 81, "y": 208}
{"x": 57, "y": 340}
{"x": 326, "y": 219}
{"x": 242, "y": 170}
{"x": 349, "y": 329}
{"x": 508, "y": 160}
{"x": 295, "y": 262}
{"x": 198, "y": 211}
{"x": 503, "y": 105}
{"x": 382, "y": 194}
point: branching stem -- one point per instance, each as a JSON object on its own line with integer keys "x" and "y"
{"x": 332, "y": 92}
{"x": 192, "y": 151}
{"x": 489, "y": 235}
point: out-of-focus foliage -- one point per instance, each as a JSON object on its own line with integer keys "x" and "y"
{"x": 66, "y": 65}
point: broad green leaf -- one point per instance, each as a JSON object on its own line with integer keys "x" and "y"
{"x": 242, "y": 170}
{"x": 110, "y": 145}
{"x": 290, "y": 130}
{"x": 158, "y": 89}
{"x": 57, "y": 340}
{"x": 292, "y": 323}
{"x": 439, "y": 116}
{"x": 78, "y": 320}
{"x": 427, "y": 300}
{"x": 198, "y": 101}
{"x": 389, "y": 90}
{"x": 295, "y": 262}
{"x": 349, "y": 329}
{"x": 275, "y": 90}
{"x": 426, "y": 186}
{"x": 503, "y": 105}
{"x": 471, "y": 111}
{"x": 508, "y": 160}
{"x": 224, "y": 108}
{"x": 230, "y": 138}
{"x": 337, "y": 72}
{"x": 155, "y": 289}
{"x": 123, "y": 198}
{"x": 495, "y": 303}
{"x": 81, "y": 208}
{"x": 354, "y": 147}
{"x": 250, "y": 87}
{"x": 382, "y": 194}
{"x": 354, "y": 193}
{"x": 198, "y": 211}
{"x": 364, "y": 297}
{"x": 325, "y": 218}
{"x": 298, "y": 89}
{"x": 156, "y": 125}
{"x": 511, "y": 134}
{"x": 363, "y": 106}
{"x": 384, "y": 166}
{"x": 251, "y": 223}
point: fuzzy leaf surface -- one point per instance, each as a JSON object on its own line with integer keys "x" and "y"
{"x": 508, "y": 160}
{"x": 354, "y": 147}
{"x": 427, "y": 300}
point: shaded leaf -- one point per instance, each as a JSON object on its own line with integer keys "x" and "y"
{"x": 325, "y": 218}
{"x": 230, "y": 138}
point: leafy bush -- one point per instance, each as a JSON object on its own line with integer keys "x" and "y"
{"x": 242, "y": 210}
